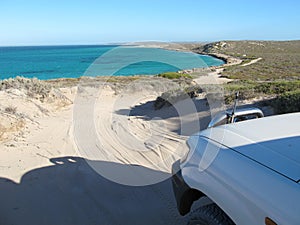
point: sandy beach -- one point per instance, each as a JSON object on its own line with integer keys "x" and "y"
{"x": 91, "y": 153}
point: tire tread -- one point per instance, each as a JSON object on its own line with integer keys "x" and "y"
{"x": 209, "y": 215}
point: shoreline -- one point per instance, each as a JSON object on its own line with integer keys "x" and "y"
{"x": 185, "y": 47}
{"x": 190, "y": 47}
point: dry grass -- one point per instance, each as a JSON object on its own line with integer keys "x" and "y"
{"x": 33, "y": 88}
{"x": 14, "y": 126}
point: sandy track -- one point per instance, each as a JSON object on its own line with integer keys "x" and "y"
{"x": 252, "y": 62}
{"x": 126, "y": 129}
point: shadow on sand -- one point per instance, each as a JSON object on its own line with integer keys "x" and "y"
{"x": 71, "y": 192}
{"x": 188, "y": 113}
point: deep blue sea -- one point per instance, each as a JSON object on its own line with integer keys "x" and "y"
{"x": 50, "y": 62}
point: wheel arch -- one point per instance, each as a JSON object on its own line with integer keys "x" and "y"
{"x": 187, "y": 200}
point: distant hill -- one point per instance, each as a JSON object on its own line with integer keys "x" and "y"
{"x": 280, "y": 59}
{"x": 269, "y": 69}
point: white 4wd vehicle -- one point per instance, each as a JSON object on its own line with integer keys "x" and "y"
{"x": 244, "y": 173}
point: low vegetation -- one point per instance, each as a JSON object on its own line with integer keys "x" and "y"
{"x": 287, "y": 102}
{"x": 252, "y": 89}
{"x": 276, "y": 75}
{"x": 280, "y": 59}
{"x": 33, "y": 87}
{"x": 173, "y": 96}
{"x": 174, "y": 75}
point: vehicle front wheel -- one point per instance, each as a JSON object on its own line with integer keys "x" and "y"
{"x": 209, "y": 215}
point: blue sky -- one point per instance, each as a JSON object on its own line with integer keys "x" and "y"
{"x": 52, "y": 22}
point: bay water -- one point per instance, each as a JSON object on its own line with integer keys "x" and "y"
{"x": 51, "y": 62}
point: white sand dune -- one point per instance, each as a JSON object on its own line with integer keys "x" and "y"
{"x": 48, "y": 177}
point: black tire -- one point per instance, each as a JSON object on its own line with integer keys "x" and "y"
{"x": 209, "y": 215}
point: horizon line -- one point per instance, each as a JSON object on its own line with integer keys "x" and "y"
{"x": 142, "y": 42}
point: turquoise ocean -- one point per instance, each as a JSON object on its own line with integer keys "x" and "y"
{"x": 51, "y": 62}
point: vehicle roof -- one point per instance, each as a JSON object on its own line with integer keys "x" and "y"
{"x": 271, "y": 141}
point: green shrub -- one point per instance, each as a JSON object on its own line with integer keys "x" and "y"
{"x": 173, "y": 96}
{"x": 277, "y": 87}
{"x": 287, "y": 103}
{"x": 252, "y": 89}
{"x": 174, "y": 75}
